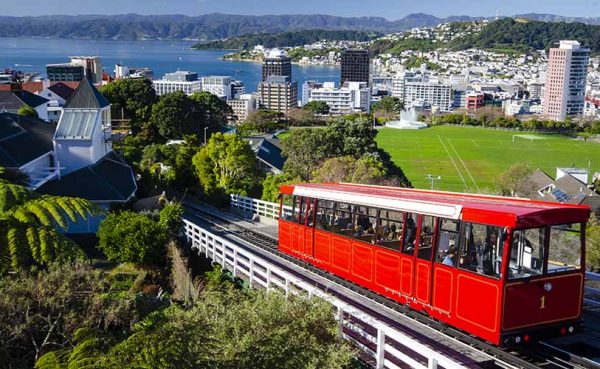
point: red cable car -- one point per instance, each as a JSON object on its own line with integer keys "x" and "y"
{"x": 506, "y": 270}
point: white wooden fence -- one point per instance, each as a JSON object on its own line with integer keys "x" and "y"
{"x": 387, "y": 345}
{"x": 260, "y": 207}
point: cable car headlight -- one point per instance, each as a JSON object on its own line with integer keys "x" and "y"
{"x": 548, "y": 286}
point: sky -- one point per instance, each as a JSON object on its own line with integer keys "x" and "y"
{"x": 390, "y": 9}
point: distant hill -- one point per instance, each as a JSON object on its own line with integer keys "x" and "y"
{"x": 217, "y": 26}
{"x": 287, "y": 39}
{"x": 509, "y": 33}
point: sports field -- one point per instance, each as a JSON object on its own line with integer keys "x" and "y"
{"x": 470, "y": 159}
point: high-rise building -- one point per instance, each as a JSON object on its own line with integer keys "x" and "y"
{"x": 91, "y": 65}
{"x": 217, "y": 85}
{"x": 565, "y": 81}
{"x": 65, "y": 72}
{"x": 356, "y": 66}
{"x": 278, "y": 93}
{"x": 438, "y": 95}
{"x": 242, "y": 107}
{"x": 307, "y": 87}
{"x": 277, "y": 63}
{"x": 238, "y": 88}
{"x": 178, "y": 81}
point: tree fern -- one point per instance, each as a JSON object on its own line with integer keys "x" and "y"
{"x": 29, "y": 225}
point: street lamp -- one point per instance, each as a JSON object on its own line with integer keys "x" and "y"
{"x": 433, "y": 178}
{"x": 205, "y": 128}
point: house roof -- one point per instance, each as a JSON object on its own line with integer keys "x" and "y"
{"x": 62, "y": 90}
{"x": 567, "y": 189}
{"x": 14, "y": 100}
{"x": 268, "y": 150}
{"x": 109, "y": 180}
{"x": 32, "y": 86}
{"x": 23, "y": 139}
{"x": 86, "y": 96}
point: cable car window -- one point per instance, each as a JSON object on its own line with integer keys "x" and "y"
{"x": 364, "y": 223}
{"x": 480, "y": 249}
{"x": 564, "y": 252}
{"x": 342, "y": 221}
{"x": 286, "y": 212}
{"x": 410, "y": 233}
{"x": 447, "y": 241}
{"x": 426, "y": 238}
{"x": 296, "y": 209}
{"x": 391, "y": 231}
{"x": 325, "y": 215}
{"x": 310, "y": 212}
{"x": 302, "y": 213}
{"x": 526, "y": 253}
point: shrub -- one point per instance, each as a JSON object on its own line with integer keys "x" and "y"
{"x": 132, "y": 237}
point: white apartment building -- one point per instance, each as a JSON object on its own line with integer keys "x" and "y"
{"x": 178, "y": 81}
{"x": 242, "y": 107}
{"x": 565, "y": 81}
{"x": 307, "y": 87}
{"x": 217, "y": 85}
{"x": 351, "y": 97}
{"x": 438, "y": 95}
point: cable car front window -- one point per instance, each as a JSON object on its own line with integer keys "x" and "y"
{"x": 565, "y": 248}
{"x": 527, "y": 253}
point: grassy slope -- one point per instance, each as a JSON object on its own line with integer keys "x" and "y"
{"x": 485, "y": 153}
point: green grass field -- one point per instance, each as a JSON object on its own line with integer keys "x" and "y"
{"x": 471, "y": 159}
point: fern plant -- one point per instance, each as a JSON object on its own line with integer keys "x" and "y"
{"x": 30, "y": 224}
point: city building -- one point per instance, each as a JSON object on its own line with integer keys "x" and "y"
{"x": 515, "y": 107}
{"x": 351, "y": 97}
{"x": 178, "y": 81}
{"x": 237, "y": 88}
{"x": 565, "y": 81}
{"x": 277, "y": 63}
{"x": 242, "y": 107}
{"x": 77, "y": 69}
{"x": 308, "y": 86}
{"x": 278, "y": 93}
{"x": 475, "y": 100}
{"x": 535, "y": 90}
{"x": 217, "y": 85}
{"x": 398, "y": 86}
{"x": 437, "y": 95}
{"x": 355, "y": 66}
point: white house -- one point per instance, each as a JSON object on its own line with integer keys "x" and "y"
{"x": 57, "y": 94}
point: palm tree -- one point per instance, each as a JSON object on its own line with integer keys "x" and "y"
{"x": 30, "y": 224}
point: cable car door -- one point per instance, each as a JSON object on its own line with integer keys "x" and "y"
{"x": 423, "y": 271}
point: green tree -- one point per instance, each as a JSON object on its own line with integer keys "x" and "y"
{"x": 352, "y": 137}
{"x": 389, "y": 105}
{"x": 317, "y": 107}
{"x": 227, "y": 165}
{"x": 514, "y": 181}
{"x": 305, "y": 149}
{"x": 171, "y": 217}
{"x": 261, "y": 121}
{"x": 176, "y": 114}
{"x": 272, "y": 183}
{"x": 30, "y": 224}
{"x": 131, "y": 99}
{"x": 28, "y": 111}
{"x": 216, "y": 110}
{"x": 366, "y": 170}
{"x": 132, "y": 237}
{"x": 592, "y": 245}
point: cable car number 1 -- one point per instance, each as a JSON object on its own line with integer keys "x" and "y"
{"x": 543, "y": 302}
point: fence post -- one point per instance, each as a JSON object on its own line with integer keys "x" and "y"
{"x": 340, "y": 319}
{"x": 380, "y": 357}
{"x": 268, "y": 280}
{"x": 251, "y": 279}
{"x": 235, "y": 263}
{"x": 432, "y": 364}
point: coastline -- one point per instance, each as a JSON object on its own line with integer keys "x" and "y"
{"x": 259, "y": 61}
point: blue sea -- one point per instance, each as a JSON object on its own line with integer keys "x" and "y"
{"x": 32, "y": 55}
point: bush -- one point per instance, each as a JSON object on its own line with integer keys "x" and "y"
{"x": 132, "y": 237}
{"x": 171, "y": 217}
{"x": 28, "y": 111}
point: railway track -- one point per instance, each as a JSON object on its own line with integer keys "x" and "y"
{"x": 542, "y": 355}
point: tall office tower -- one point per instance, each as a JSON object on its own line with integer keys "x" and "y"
{"x": 356, "y": 65}
{"x": 277, "y": 63}
{"x": 565, "y": 81}
{"x": 278, "y": 93}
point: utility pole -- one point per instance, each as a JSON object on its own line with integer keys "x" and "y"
{"x": 433, "y": 178}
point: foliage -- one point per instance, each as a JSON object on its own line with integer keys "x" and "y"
{"x": 513, "y": 182}
{"x": 41, "y": 310}
{"x": 14, "y": 176}
{"x": 286, "y": 39}
{"x": 366, "y": 170}
{"x": 216, "y": 110}
{"x": 132, "y": 237}
{"x": 592, "y": 245}
{"x": 262, "y": 121}
{"x": 29, "y": 223}
{"x": 131, "y": 99}
{"x": 28, "y": 111}
{"x": 492, "y": 117}
{"x": 304, "y": 150}
{"x": 272, "y": 183}
{"x": 513, "y": 34}
{"x": 171, "y": 217}
{"x": 317, "y": 107}
{"x": 388, "y": 105}
{"x": 226, "y": 165}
